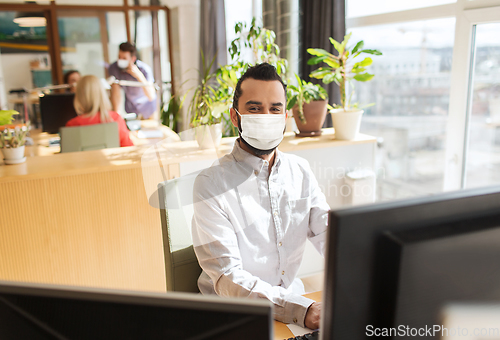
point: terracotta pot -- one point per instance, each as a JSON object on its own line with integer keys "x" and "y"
{"x": 346, "y": 123}
{"x": 315, "y": 114}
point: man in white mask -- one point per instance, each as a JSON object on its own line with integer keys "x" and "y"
{"x": 255, "y": 208}
{"x": 139, "y": 100}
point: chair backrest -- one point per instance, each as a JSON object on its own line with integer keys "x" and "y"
{"x": 89, "y": 137}
{"x": 176, "y": 212}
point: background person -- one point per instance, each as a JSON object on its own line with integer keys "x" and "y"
{"x": 139, "y": 100}
{"x": 71, "y": 78}
{"x": 93, "y": 107}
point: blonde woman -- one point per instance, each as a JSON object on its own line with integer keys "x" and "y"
{"x": 93, "y": 107}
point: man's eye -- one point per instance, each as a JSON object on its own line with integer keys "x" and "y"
{"x": 276, "y": 109}
{"x": 253, "y": 109}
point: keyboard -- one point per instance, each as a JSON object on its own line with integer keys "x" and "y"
{"x": 309, "y": 336}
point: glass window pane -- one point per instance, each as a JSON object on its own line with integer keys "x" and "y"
{"x": 81, "y": 44}
{"x": 25, "y": 60}
{"x": 483, "y": 157}
{"x": 359, "y": 8}
{"x": 141, "y": 31}
{"x": 117, "y": 33}
{"x": 411, "y": 95}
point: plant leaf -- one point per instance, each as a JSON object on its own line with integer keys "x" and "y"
{"x": 374, "y": 52}
{"x": 336, "y": 45}
{"x": 358, "y": 46}
{"x": 363, "y": 77}
{"x": 320, "y": 72}
{"x": 291, "y": 103}
{"x": 316, "y": 60}
{"x": 332, "y": 63}
{"x": 318, "y": 51}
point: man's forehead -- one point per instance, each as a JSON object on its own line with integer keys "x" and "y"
{"x": 259, "y": 90}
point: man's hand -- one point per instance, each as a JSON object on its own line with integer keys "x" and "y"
{"x": 134, "y": 71}
{"x": 313, "y": 315}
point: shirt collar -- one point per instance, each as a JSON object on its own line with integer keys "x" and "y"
{"x": 256, "y": 163}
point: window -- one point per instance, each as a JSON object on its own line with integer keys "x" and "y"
{"x": 430, "y": 141}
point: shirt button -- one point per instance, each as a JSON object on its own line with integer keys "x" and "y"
{"x": 256, "y": 172}
{"x": 294, "y": 320}
{"x": 283, "y": 272}
{"x": 275, "y": 213}
{"x": 280, "y": 244}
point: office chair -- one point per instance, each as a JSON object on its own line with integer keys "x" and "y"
{"x": 89, "y": 137}
{"x": 176, "y": 212}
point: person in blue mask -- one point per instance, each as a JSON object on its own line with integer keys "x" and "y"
{"x": 139, "y": 100}
{"x": 255, "y": 208}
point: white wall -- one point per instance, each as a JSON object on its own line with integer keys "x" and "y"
{"x": 16, "y": 70}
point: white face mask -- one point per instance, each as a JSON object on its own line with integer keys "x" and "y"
{"x": 122, "y": 63}
{"x": 262, "y": 131}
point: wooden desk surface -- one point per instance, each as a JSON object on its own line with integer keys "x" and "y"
{"x": 281, "y": 330}
{"x": 170, "y": 150}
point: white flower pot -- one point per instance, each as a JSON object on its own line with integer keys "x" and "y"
{"x": 208, "y": 136}
{"x": 346, "y": 123}
{"x": 13, "y": 155}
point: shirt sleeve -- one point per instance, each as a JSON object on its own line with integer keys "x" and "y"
{"x": 318, "y": 216}
{"x": 216, "y": 246}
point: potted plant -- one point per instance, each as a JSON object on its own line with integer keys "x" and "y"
{"x": 260, "y": 43}
{"x": 308, "y": 103}
{"x": 342, "y": 70}
{"x": 206, "y": 110}
{"x": 12, "y": 138}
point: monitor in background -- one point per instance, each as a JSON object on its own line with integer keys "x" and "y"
{"x": 34, "y": 311}
{"x": 397, "y": 264}
{"x": 56, "y": 109}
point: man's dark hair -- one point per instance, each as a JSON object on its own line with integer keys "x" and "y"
{"x": 69, "y": 73}
{"x": 262, "y": 71}
{"x": 128, "y": 47}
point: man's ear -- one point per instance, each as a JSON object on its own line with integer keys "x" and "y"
{"x": 133, "y": 59}
{"x": 234, "y": 117}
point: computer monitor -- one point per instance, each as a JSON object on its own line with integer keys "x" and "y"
{"x": 56, "y": 109}
{"x": 34, "y": 311}
{"x": 397, "y": 264}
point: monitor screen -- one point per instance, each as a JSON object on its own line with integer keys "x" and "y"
{"x": 56, "y": 109}
{"x": 397, "y": 264}
{"x": 33, "y": 311}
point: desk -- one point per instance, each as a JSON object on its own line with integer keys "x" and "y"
{"x": 83, "y": 218}
{"x": 281, "y": 331}
{"x": 42, "y": 147}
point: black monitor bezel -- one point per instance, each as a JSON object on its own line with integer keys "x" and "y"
{"x": 351, "y": 248}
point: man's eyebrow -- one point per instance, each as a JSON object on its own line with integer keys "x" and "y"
{"x": 277, "y": 104}
{"x": 253, "y": 102}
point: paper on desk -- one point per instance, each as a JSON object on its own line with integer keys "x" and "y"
{"x": 150, "y": 134}
{"x": 297, "y": 330}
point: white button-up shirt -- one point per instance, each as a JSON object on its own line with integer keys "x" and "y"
{"x": 250, "y": 228}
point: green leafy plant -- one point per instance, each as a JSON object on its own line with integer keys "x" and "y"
{"x": 261, "y": 42}
{"x": 13, "y": 138}
{"x": 6, "y": 116}
{"x": 342, "y": 69}
{"x": 205, "y": 107}
{"x": 303, "y": 93}
{"x": 169, "y": 113}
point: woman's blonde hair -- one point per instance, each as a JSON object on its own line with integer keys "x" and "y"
{"x": 91, "y": 97}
